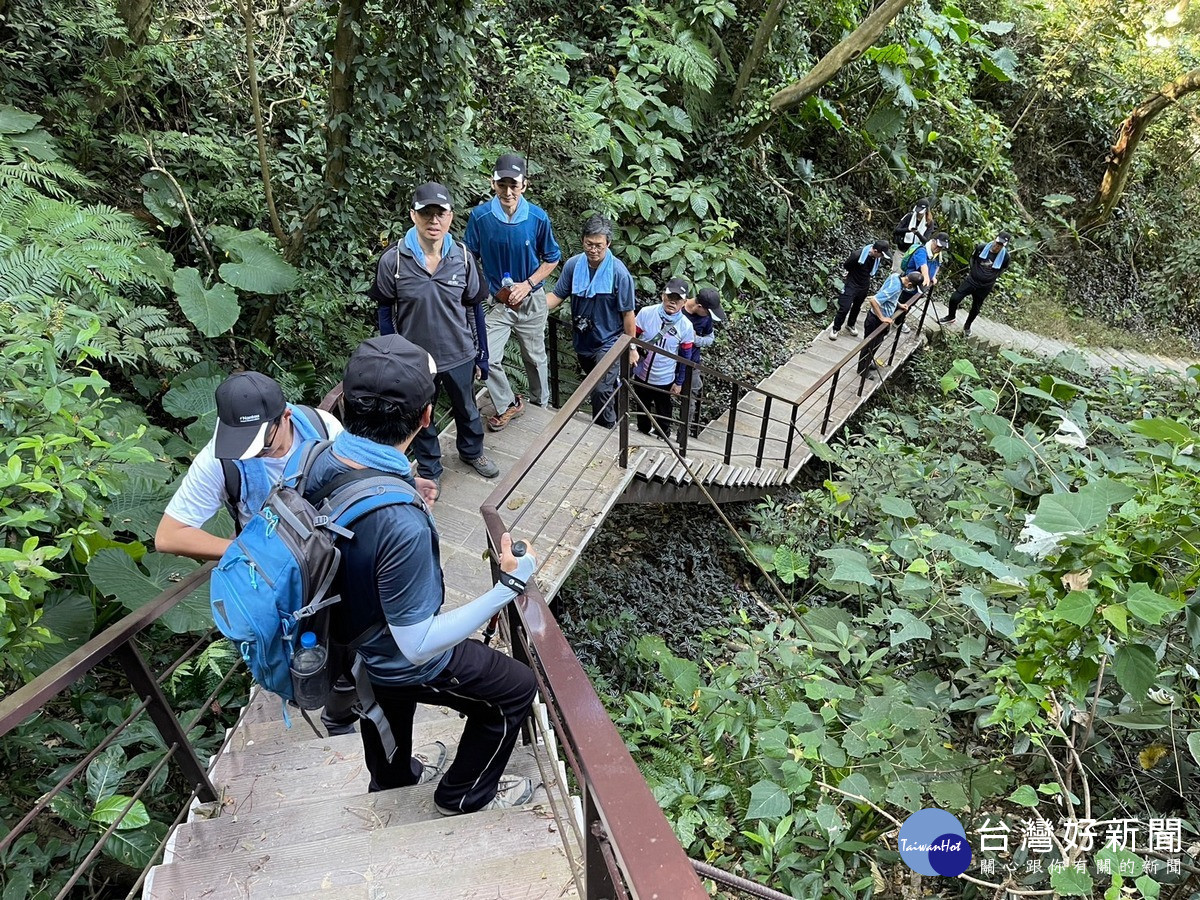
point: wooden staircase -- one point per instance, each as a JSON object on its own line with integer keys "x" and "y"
{"x": 296, "y": 820}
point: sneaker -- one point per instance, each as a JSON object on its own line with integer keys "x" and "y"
{"x": 946, "y": 320}
{"x": 483, "y": 465}
{"x": 833, "y": 334}
{"x": 906, "y": 329}
{"x": 852, "y": 330}
{"x": 432, "y": 758}
{"x": 872, "y": 375}
{"x": 966, "y": 332}
{"x": 514, "y": 790}
{"x": 495, "y": 423}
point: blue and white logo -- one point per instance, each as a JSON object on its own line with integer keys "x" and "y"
{"x": 933, "y": 842}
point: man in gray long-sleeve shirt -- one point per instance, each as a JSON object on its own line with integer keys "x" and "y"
{"x": 430, "y": 291}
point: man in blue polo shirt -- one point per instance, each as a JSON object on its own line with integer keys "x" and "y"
{"x": 600, "y": 291}
{"x": 515, "y": 241}
{"x": 884, "y": 303}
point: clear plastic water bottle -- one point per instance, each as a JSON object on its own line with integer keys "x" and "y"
{"x": 505, "y": 291}
{"x": 310, "y": 673}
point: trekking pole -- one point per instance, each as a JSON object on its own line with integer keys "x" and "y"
{"x": 518, "y": 550}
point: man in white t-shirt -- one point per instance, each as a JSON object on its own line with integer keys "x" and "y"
{"x": 257, "y": 432}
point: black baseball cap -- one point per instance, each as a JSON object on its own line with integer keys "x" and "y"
{"x": 510, "y": 166}
{"x": 390, "y": 367}
{"x": 710, "y": 299}
{"x": 882, "y": 246}
{"x": 431, "y": 194}
{"x": 677, "y": 286}
{"x": 247, "y": 403}
{"x": 924, "y": 203}
{"x": 1003, "y": 237}
{"x": 943, "y": 239}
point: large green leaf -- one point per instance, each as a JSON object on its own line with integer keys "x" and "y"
{"x": 1072, "y": 883}
{"x": 1168, "y": 430}
{"x": 68, "y": 616}
{"x": 849, "y": 565}
{"x": 1076, "y": 607}
{"x": 213, "y": 311}
{"x": 136, "y": 847}
{"x": 1136, "y": 669}
{"x": 1081, "y": 511}
{"x": 1024, "y": 796}
{"x": 768, "y": 801}
{"x": 108, "y": 809}
{"x": 1193, "y": 743}
{"x": 898, "y": 507}
{"x": 194, "y": 398}
{"x": 116, "y": 574}
{"x": 14, "y": 121}
{"x": 1145, "y": 603}
{"x": 104, "y": 774}
{"x": 138, "y": 508}
{"x": 911, "y": 628}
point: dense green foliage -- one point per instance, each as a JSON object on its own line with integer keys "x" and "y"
{"x": 982, "y": 587}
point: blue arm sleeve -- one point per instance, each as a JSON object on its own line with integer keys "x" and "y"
{"x": 422, "y": 641}
{"x": 386, "y": 325}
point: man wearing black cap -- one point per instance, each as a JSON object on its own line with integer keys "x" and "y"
{"x": 704, "y": 311}
{"x": 887, "y": 304}
{"x": 658, "y": 379}
{"x": 915, "y": 227}
{"x": 429, "y": 290}
{"x": 987, "y": 263}
{"x": 860, "y": 267}
{"x": 391, "y": 581}
{"x": 515, "y": 242}
{"x": 600, "y": 290}
{"x": 256, "y": 433}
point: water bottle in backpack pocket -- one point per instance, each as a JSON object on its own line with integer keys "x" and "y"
{"x": 312, "y": 676}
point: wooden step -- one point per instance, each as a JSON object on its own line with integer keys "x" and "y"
{"x": 258, "y": 726}
{"x": 423, "y": 853}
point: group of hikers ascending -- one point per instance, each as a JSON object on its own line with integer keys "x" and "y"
{"x": 914, "y": 272}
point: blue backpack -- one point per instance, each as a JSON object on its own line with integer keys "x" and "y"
{"x": 279, "y": 570}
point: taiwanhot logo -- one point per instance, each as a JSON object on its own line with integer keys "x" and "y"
{"x": 933, "y": 842}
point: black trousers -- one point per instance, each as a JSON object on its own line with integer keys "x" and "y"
{"x": 657, "y": 399}
{"x": 495, "y": 691}
{"x": 978, "y": 294}
{"x": 604, "y": 405}
{"x": 849, "y": 304}
{"x": 866, "y": 357}
{"x": 458, "y": 383}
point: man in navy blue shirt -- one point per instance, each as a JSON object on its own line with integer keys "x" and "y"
{"x": 515, "y": 241}
{"x": 600, "y": 291}
{"x": 860, "y": 267}
{"x": 409, "y": 648}
{"x": 988, "y": 262}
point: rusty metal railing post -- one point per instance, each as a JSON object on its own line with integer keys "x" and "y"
{"x": 762, "y": 432}
{"x": 733, "y": 399}
{"x": 829, "y": 402}
{"x": 685, "y": 410}
{"x": 623, "y": 409}
{"x": 555, "y": 377}
{"x": 147, "y": 688}
{"x": 599, "y": 881}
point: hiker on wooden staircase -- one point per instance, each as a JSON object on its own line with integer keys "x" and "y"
{"x": 515, "y": 243}
{"x": 884, "y": 306}
{"x": 409, "y": 650}
{"x": 658, "y": 379}
{"x": 256, "y": 434}
{"x": 860, "y": 267}
{"x": 600, "y": 291}
{"x": 913, "y": 229}
{"x": 704, "y": 311}
{"x": 428, "y": 289}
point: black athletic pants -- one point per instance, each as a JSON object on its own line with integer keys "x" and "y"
{"x": 458, "y": 383}
{"x": 978, "y": 294}
{"x": 849, "y": 305}
{"x": 866, "y": 357}
{"x": 604, "y": 405}
{"x": 657, "y": 399}
{"x": 495, "y": 691}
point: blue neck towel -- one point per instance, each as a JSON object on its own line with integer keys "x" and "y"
{"x": 862, "y": 258}
{"x": 585, "y": 284}
{"x": 370, "y": 454}
{"x": 670, "y": 319}
{"x": 518, "y": 217}
{"x": 412, "y": 243}
{"x": 999, "y": 260}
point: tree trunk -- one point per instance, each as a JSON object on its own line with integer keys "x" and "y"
{"x": 848, "y": 49}
{"x": 1120, "y": 157}
{"x": 346, "y": 45}
{"x": 137, "y": 16}
{"x": 761, "y": 38}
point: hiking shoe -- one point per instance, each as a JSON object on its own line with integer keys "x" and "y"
{"x": 495, "y": 423}
{"x": 907, "y": 329}
{"x": 483, "y": 465}
{"x": 833, "y": 334}
{"x": 514, "y": 790}
{"x": 432, "y": 758}
{"x": 946, "y": 320}
{"x": 966, "y": 332}
{"x": 852, "y": 330}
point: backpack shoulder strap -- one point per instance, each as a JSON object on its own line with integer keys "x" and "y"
{"x": 316, "y": 420}
{"x": 353, "y": 494}
{"x": 233, "y": 490}
{"x": 295, "y": 473}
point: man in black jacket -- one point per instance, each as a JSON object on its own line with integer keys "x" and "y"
{"x": 988, "y": 262}
{"x": 861, "y": 266}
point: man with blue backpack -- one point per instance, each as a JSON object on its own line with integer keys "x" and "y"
{"x": 409, "y": 650}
